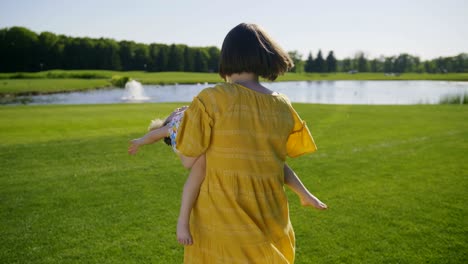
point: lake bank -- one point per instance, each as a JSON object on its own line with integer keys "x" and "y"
{"x": 57, "y": 81}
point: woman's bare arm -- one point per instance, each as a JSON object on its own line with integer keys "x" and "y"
{"x": 189, "y": 196}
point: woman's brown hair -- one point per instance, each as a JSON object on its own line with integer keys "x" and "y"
{"x": 248, "y": 48}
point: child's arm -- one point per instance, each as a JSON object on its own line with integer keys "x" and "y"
{"x": 307, "y": 198}
{"x": 149, "y": 138}
{"x": 189, "y": 196}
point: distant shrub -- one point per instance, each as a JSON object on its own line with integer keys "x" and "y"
{"x": 22, "y": 75}
{"x": 56, "y": 75}
{"x": 87, "y": 75}
{"x": 74, "y": 75}
{"x": 18, "y": 76}
{"x": 119, "y": 81}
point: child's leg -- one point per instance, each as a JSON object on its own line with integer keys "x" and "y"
{"x": 189, "y": 196}
{"x": 307, "y": 199}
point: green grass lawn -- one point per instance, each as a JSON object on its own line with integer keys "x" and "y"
{"x": 37, "y": 86}
{"x": 72, "y": 80}
{"x": 394, "y": 177}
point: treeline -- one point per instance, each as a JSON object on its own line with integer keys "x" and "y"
{"x": 393, "y": 64}
{"x": 22, "y": 50}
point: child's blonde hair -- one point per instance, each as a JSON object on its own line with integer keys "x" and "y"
{"x": 158, "y": 123}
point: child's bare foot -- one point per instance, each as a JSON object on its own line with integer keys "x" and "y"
{"x": 313, "y": 201}
{"x": 183, "y": 233}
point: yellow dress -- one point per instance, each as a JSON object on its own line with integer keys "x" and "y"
{"x": 241, "y": 214}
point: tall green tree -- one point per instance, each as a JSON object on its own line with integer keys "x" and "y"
{"x": 296, "y": 57}
{"x": 176, "y": 58}
{"x": 309, "y": 64}
{"x": 163, "y": 58}
{"x": 108, "y": 54}
{"x": 201, "y": 60}
{"x": 3, "y": 50}
{"x": 331, "y": 62}
{"x": 71, "y": 54}
{"x": 48, "y": 53}
{"x": 20, "y": 50}
{"x": 461, "y": 62}
{"x": 189, "y": 59}
{"x": 402, "y": 63}
{"x": 127, "y": 55}
{"x": 430, "y": 66}
{"x": 388, "y": 64}
{"x": 415, "y": 64}
{"x": 374, "y": 65}
{"x": 213, "y": 61}
{"x": 346, "y": 65}
{"x": 24, "y": 50}
{"x": 153, "y": 55}
{"x": 89, "y": 53}
{"x": 362, "y": 62}
{"x": 141, "y": 59}
{"x": 320, "y": 62}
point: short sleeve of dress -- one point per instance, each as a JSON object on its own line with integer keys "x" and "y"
{"x": 300, "y": 140}
{"x": 194, "y": 133}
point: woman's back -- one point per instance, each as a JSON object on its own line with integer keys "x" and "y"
{"x": 241, "y": 213}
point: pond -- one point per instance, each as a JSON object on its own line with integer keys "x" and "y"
{"x": 321, "y": 92}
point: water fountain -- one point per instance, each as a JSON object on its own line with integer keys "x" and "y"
{"x": 134, "y": 92}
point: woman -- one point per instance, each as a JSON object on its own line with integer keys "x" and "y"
{"x": 245, "y": 131}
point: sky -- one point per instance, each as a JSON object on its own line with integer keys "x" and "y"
{"x": 427, "y": 29}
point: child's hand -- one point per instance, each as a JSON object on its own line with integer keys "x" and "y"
{"x": 134, "y": 145}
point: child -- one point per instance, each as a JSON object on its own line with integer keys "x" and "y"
{"x": 167, "y": 130}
